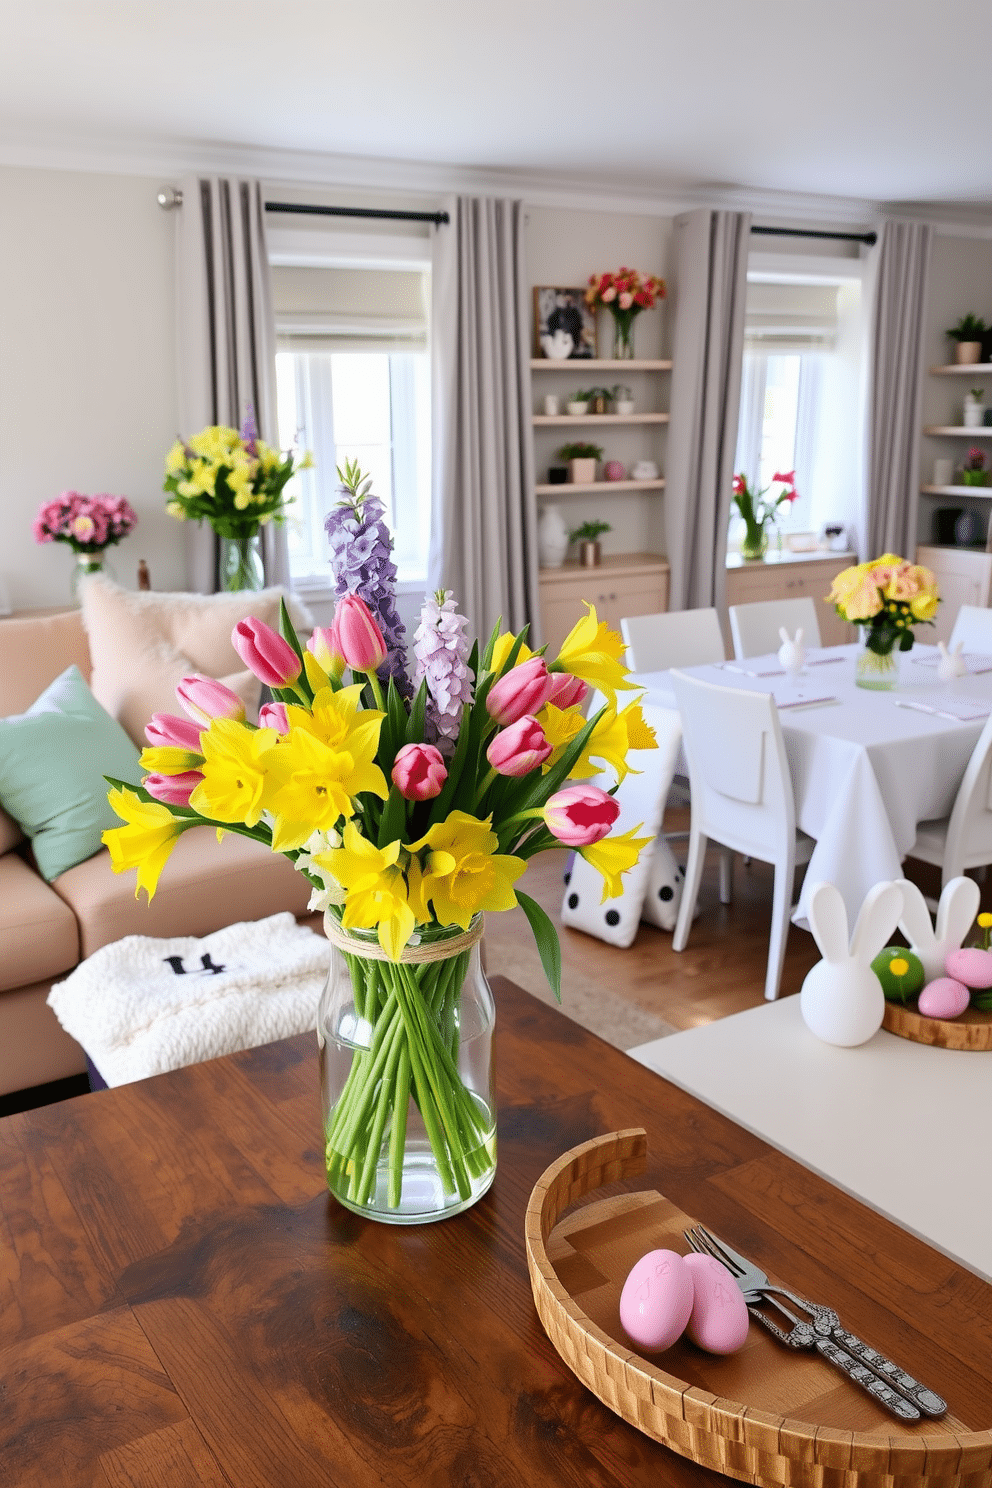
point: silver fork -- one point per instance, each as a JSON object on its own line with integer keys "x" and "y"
{"x": 891, "y": 1385}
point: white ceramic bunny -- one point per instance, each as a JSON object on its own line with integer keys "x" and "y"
{"x": 791, "y": 653}
{"x": 955, "y": 916}
{"x": 842, "y": 1001}
{"x": 951, "y": 664}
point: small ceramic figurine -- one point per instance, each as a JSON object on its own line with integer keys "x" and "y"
{"x": 841, "y": 999}
{"x": 557, "y": 346}
{"x": 955, "y": 916}
{"x": 951, "y": 664}
{"x": 791, "y": 653}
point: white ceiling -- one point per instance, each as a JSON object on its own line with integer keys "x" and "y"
{"x": 879, "y": 99}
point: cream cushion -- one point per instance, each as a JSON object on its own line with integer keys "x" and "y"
{"x": 38, "y": 933}
{"x": 34, "y": 650}
{"x": 143, "y": 643}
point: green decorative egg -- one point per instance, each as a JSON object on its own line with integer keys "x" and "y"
{"x": 900, "y": 973}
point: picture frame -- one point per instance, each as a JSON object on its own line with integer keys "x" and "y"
{"x": 564, "y": 308}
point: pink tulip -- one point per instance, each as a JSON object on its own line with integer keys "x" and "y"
{"x": 524, "y": 689}
{"x": 169, "y": 730}
{"x": 321, "y": 647}
{"x": 204, "y": 698}
{"x": 271, "y": 658}
{"x": 174, "y": 790}
{"x": 419, "y": 772}
{"x": 580, "y": 815}
{"x": 355, "y": 635}
{"x": 520, "y": 748}
{"x": 567, "y": 690}
{"x": 274, "y": 716}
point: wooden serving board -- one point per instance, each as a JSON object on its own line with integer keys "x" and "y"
{"x": 765, "y": 1415}
{"x": 973, "y": 1030}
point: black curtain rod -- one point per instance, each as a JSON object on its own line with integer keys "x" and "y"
{"x": 303, "y": 209}
{"x": 870, "y": 238}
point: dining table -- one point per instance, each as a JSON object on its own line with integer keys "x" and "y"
{"x": 182, "y": 1302}
{"x": 866, "y": 766}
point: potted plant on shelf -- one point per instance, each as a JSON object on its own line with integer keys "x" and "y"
{"x": 598, "y": 398}
{"x": 974, "y": 408}
{"x": 578, "y": 403}
{"x": 581, "y": 459}
{"x": 587, "y": 536}
{"x": 974, "y": 472}
{"x": 968, "y": 335}
{"x": 623, "y": 398}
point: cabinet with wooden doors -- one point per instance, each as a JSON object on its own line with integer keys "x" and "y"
{"x": 629, "y": 584}
{"x": 792, "y": 576}
{"x": 963, "y": 577}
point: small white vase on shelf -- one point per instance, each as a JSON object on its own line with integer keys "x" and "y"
{"x": 974, "y": 411}
{"x": 552, "y": 537}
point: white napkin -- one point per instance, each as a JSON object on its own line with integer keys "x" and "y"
{"x": 797, "y": 698}
{"x": 756, "y": 667}
{"x": 959, "y": 710}
{"x": 974, "y": 661}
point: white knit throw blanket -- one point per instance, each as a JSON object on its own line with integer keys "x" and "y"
{"x": 142, "y": 1006}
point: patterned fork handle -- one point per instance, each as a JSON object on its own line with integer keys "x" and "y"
{"x": 928, "y": 1401}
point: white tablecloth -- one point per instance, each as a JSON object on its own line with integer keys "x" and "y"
{"x": 865, "y": 770}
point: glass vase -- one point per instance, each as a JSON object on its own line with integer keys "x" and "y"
{"x": 623, "y": 336}
{"x": 241, "y": 563}
{"x": 86, "y": 564}
{"x": 406, "y": 1061}
{"x": 754, "y": 543}
{"x": 876, "y": 665}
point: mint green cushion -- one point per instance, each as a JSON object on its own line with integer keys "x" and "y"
{"x": 52, "y": 762}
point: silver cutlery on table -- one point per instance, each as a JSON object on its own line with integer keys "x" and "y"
{"x": 822, "y": 1330}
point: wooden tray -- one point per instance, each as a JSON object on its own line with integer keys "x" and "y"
{"x": 803, "y": 1422}
{"x": 973, "y": 1030}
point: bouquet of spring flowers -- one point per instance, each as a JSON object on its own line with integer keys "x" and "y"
{"x": 411, "y": 810}
{"x": 234, "y": 480}
{"x": 625, "y": 294}
{"x": 886, "y": 597}
{"x": 87, "y": 523}
{"x": 758, "y": 512}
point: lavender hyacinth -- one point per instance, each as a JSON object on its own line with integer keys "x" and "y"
{"x": 360, "y": 547}
{"x": 442, "y": 651}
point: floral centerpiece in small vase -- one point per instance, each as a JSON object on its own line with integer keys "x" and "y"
{"x": 237, "y": 482}
{"x": 89, "y": 524}
{"x": 625, "y": 294}
{"x": 411, "y": 818}
{"x": 885, "y": 598}
{"x": 973, "y": 472}
{"x": 758, "y": 512}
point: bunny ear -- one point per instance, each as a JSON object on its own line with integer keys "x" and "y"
{"x": 958, "y": 648}
{"x": 799, "y": 636}
{"x": 942, "y": 648}
{"x": 783, "y": 634}
{"x": 877, "y": 920}
{"x": 828, "y": 921}
{"x": 957, "y": 909}
{"x": 914, "y": 922}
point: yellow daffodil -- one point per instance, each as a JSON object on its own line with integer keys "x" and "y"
{"x": 176, "y": 509}
{"x": 614, "y": 856}
{"x": 150, "y": 834}
{"x": 339, "y": 720}
{"x": 169, "y": 759}
{"x": 235, "y": 763}
{"x": 176, "y": 458}
{"x": 560, "y": 727}
{"x": 315, "y": 673}
{"x": 326, "y": 760}
{"x": 502, "y": 649}
{"x": 464, "y": 873}
{"x": 594, "y": 652}
{"x": 376, "y": 891}
{"x": 611, "y": 740}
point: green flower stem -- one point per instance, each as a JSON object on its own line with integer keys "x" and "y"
{"x": 397, "y": 1134}
{"x": 378, "y": 1126}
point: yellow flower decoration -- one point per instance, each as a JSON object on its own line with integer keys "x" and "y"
{"x": 327, "y": 759}
{"x": 175, "y": 459}
{"x": 169, "y": 759}
{"x": 594, "y": 652}
{"x": 150, "y": 834}
{"x": 376, "y": 891}
{"x": 502, "y": 649}
{"x": 613, "y": 857}
{"x": 610, "y": 742}
{"x": 464, "y": 873}
{"x": 985, "y": 921}
{"x": 560, "y": 727}
{"x": 235, "y": 764}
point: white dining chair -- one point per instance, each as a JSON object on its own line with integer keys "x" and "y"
{"x": 741, "y": 798}
{"x": 963, "y": 839}
{"x": 672, "y": 638}
{"x": 755, "y": 627}
{"x": 973, "y": 627}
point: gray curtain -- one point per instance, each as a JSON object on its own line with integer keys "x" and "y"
{"x": 226, "y": 339}
{"x": 896, "y": 388}
{"x": 710, "y": 274}
{"x": 484, "y": 537}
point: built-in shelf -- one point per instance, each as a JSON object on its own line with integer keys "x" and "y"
{"x": 590, "y": 364}
{"x": 562, "y": 420}
{"x": 599, "y": 488}
{"x": 961, "y": 369}
{"x": 958, "y": 431}
{"x": 983, "y": 491}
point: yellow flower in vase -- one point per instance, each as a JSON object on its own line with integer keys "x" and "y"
{"x": 613, "y": 857}
{"x": 235, "y": 765}
{"x": 594, "y": 652}
{"x": 375, "y": 889}
{"x": 464, "y": 873}
{"x": 145, "y": 842}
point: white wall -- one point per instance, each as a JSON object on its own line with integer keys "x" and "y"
{"x": 87, "y": 368}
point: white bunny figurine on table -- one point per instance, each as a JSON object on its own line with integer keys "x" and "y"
{"x": 951, "y": 664}
{"x": 791, "y": 653}
{"x": 842, "y": 1001}
{"x": 955, "y": 916}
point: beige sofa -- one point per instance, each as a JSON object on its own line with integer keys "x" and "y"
{"x": 46, "y": 929}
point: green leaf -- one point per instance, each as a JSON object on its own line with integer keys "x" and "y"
{"x": 287, "y": 629}
{"x": 442, "y": 803}
{"x": 546, "y": 938}
{"x": 487, "y": 655}
{"x": 393, "y": 819}
{"x": 415, "y": 723}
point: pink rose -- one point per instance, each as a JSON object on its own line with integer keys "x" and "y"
{"x": 608, "y": 294}
{"x": 626, "y": 300}
{"x": 519, "y": 749}
{"x": 581, "y": 815}
{"x": 419, "y": 772}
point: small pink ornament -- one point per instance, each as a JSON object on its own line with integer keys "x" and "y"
{"x": 718, "y": 1322}
{"x": 970, "y": 965}
{"x": 944, "y": 998}
{"x": 613, "y": 470}
{"x": 656, "y": 1300}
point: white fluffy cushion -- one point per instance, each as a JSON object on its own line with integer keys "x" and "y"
{"x": 143, "y": 643}
{"x": 642, "y": 804}
{"x": 663, "y": 889}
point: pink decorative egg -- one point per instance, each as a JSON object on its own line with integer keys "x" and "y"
{"x": 970, "y": 965}
{"x": 719, "y": 1319}
{"x": 656, "y": 1300}
{"x": 944, "y": 998}
{"x": 613, "y": 470}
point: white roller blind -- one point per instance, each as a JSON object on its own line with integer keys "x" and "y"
{"x": 331, "y": 309}
{"x": 790, "y": 317}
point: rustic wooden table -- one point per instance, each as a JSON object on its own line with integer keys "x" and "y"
{"x": 182, "y": 1303}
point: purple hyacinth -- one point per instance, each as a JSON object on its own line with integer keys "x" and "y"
{"x": 249, "y": 430}
{"x": 442, "y": 651}
{"x": 361, "y": 544}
